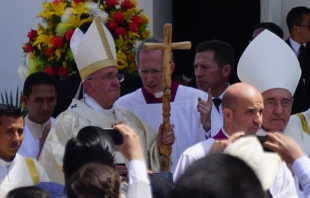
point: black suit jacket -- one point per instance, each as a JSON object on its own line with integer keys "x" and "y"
{"x": 301, "y": 96}
{"x": 67, "y": 88}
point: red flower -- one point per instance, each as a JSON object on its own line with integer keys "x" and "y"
{"x": 111, "y": 3}
{"x": 120, "y": 31}
{"x": 56, "y": 1}
{"x": 112, "y": 25}
{"x": 50, "y": 70}
{"x": 126, "y": 4}
{"x": 69, "y": 34}
{"x": 133, "y": 27}
{"x": 77, "y": 1}
{"x": 63, "y": 72}
{"x": 28, "y": 47}
{"x": 32, "y": 34}
{"x": 136, "y": 19}
{"x": 56, "y": 41}
{"x": 118, "y": 17}
{"x": 49, "y": 52}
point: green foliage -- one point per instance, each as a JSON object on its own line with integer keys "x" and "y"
{"x": 8, "y": 98}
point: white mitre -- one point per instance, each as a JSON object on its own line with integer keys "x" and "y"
{"x": 93, "y": 50}
{"x": 268, "y": 62}
{"x": 266, "y": 165}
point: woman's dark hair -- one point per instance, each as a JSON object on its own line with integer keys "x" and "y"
{"x": 94, "y": 181}
{"x": 28, "y": 192}
{"x": 92, "y": 144}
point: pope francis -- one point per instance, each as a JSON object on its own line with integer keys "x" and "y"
{"x": 95, "y": 56}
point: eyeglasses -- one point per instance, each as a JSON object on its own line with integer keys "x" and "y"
{"x": 273, "y": 104}
{"x": 307, "y": 26}
{"x": 152, "y": 71}
{"x": 110, "y": 77}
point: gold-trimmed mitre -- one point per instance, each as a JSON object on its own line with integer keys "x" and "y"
{"x": 93, "y": 50}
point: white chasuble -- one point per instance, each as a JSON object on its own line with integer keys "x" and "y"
{"x": 79, "y": 115}
{"x": 187, "y": 127}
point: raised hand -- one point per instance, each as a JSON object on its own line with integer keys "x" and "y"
{"x": 285, "y": 146}
{"x": 205, "y": 108}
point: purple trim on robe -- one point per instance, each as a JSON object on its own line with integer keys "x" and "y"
{"x": 150, "y": 98}
{"x": 220, "y": 136}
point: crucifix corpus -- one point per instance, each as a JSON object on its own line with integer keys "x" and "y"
{"x": 167, "y": 46}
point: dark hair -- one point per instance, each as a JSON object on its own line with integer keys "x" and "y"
{"x": 272, "y": 27}
{"x": 218, "y": 175}
{"x": 223, "y": 52}
{"x": 148, "y": 40}
{"x": 92, "y": 144}
{"x": 94, "y": 180}
{"x": 295, "y": 16}
{"x": 38, "y": 78}
{"x": 28, "y": 192}
{"x": 9, "y": 111}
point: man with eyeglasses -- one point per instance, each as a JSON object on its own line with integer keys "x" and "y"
{"x": 146, "y": 102}
{"x": 298, "y": 23}
{"x": 270, "y": 65}
{"x": 95, "y": 56}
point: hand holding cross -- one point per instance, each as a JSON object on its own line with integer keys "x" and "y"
{"x": 167, "y": 46}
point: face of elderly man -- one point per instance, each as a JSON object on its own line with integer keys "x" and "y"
{"x": 278, "y": 107}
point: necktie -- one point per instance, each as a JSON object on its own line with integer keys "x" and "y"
{"x": 302, "y": 56}
{"x": 217, "y": 102}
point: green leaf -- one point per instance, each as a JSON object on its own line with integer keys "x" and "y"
{"x": 6, "y": 97}
{"x": 2, "y": 98}
{"x": 17, "y": 98}
{"x": 11, "y": 98}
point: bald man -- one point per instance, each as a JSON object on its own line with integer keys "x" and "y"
{"x": 242, "y": 108}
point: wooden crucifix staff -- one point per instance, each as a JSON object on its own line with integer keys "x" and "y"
{"x": 167, "y": 46}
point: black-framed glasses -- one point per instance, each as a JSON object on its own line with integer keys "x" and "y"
{"x": 110, "y": 77}
{"x": 307, "y": 26}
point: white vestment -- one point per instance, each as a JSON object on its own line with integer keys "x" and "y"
{"x": 294, "y": 129}
{"x": 283, "y": 186}
{"x": 16, "y": 174}
{"x": 32, "y": 133}
{"x": 79, "y": 115}
{"x": 187, "y": 127}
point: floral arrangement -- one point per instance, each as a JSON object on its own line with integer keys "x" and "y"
{"x": 48, "y": 48}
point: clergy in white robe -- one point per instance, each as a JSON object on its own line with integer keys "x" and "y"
{"x": 263, "y": 66}
{"x": 32, "y": 133}
{"x": 282, "y": 187}
{"x": 95, "y": 55}
{"x": 39, "y": 96}
{"x": 188, "y": 129}
{"x": 16, "y": 174}
{"x": 87, "y": 112}
{"x": 242, "y": 110}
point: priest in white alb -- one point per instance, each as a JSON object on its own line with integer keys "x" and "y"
{"x": 147, "y": 102}
{"x": 95, "y": 55}
{"x": 15, "y": 170}
{"x": 271, "y": 66}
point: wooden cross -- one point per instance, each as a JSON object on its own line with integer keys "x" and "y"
{"x": 167, "y": 46}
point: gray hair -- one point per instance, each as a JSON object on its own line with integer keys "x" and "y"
{"x": 148, "y": 40}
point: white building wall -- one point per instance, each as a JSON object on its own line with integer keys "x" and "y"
{"x": 276, "y": 11}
